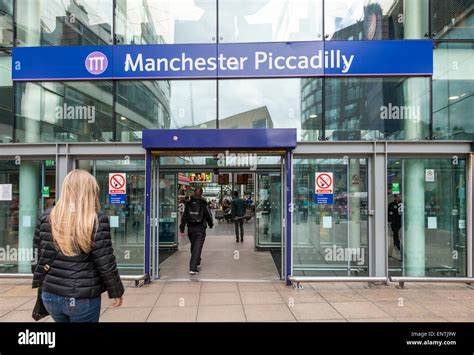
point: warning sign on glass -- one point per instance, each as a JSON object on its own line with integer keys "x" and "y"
{"x": 323, "y": 191}
{"x": 117, "y": 188}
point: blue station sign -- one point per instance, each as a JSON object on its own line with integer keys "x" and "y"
{"x": 230, "y": 60}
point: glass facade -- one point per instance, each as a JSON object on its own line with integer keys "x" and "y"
{"x": 63, "y": 111}
{"x": 28, "y": 188}
{"x": 375, "y": 20}
{"x": 165, "y": 21}
{"x": 126, "y": 220}
{"x": 453, "y": 91}
{"x": 332, "y": 108}
{"x": 6, "y": 23}
{"x": 6, "y": 97}
{"x": 328, "y": 239}
{"x": 64, "y": 23}
{"x": 270, "y": 21}
{"x": 377, "y": 108}
{"x": 432, "y": 216}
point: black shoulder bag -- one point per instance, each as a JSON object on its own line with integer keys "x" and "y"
{"x": 39, "y": 311}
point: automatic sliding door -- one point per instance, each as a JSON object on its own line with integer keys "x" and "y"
{"x": 330, "y": 232}
{"x": 268, "y": 211}
{"x": 168, "y": 210}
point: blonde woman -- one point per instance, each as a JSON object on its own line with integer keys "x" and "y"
{"x": 73, "y": 241}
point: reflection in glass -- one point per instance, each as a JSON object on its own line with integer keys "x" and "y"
{"x": 6, "y": 98}
{"x": 452, "y": 19}
{"x": 433, "y": 230}
{"x": 141, "y": 104}
{"x": 375, "y": 20}
{"x": 260, "y": 103}
{"x": 126, "y": 220}
{"x": 63, "y": 111}
{"x": 6, "y": 23}
{"x": 165, "y": 21}
{"x": 377, "y": 108}
{"x": 270, "y": 20}
{"x": 330, "y": 239}
{"x": 64, "y": 22}
{"x": 453, "y": 91}
{"x": 163, "y": 104}
{"x": 20, "y": 209}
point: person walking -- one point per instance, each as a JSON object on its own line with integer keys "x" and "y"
{"x": 395, "y": 218}
{"x": 196, "y": 217}
{"x": 238, "y": 215}
{"x": 76, "y": 262}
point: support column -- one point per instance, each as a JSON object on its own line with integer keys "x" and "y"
{"x": 64, "y": 165}
{"x": 413, "y": 242}
{"x": 378, "y": 240}
{"x": 28, "y": 212}
{"x": 413, "y": 224}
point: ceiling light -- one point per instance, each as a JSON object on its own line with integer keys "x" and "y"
{"x": 455, "y": 97}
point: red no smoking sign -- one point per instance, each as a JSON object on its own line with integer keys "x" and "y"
{"x": 324, "y": 182}
{"x": 117, "y": 183}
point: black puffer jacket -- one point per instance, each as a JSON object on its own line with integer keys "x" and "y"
{"x": 82, "y": 276}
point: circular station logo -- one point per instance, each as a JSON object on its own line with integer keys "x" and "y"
{"x": 96, "y": 63}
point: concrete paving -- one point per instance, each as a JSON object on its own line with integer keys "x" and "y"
{"x": 217, "y": 301}
{"x": 222, "y": 258}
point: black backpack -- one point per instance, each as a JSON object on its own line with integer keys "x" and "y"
{"x": 196, "y": 211}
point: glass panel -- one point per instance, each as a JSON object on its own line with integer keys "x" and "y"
{"x": 64, "y": 22}
{"x": 164, "y": 104}
{"x": 377, "y": 108}
{"x": 127, "y": 221}
{"x": 168, "y": 210}
{"x": 165, "y": 21}
{"x": 452, "y": 19}
{"x": 6, "y": 23}
{"x": 26, "y": 190}
{"x": 453, "y": 91}
{"x": 375, "y": 20}
{"x": 430, "y": 218}
{"x": 6, "y": 98}
{"x": 268, "y": 211}
{"x": 64, "y": 111}
{"x": 270, "y": 20}
{"x": 271, "y": 103}
{"x": 223, "y": 160}
{"x": 330, "y": 231}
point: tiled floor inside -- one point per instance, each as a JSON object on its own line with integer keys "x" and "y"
{"x": 197, "y": 301}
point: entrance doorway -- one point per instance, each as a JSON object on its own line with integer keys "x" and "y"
{"x": 258, "y": 178}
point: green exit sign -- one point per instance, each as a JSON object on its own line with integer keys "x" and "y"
{"x": 45, "y": 191}
{"x": 49, "y": 163}
{"x": 396, "y": 188}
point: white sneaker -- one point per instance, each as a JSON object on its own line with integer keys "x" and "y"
{"x": 191, "y": 272}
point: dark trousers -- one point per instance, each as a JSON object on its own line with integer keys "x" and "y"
{"x": 239, "y": 224}
{"x": 396, "y": 239}
{"x": 197, "y": 242}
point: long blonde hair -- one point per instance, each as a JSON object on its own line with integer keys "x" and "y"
{"x": 74, "y": 217}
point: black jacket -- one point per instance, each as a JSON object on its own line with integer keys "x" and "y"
{"x": 395, "y": 213}
{"x": 200, "y": 227}
{"x": 82, "y": 276}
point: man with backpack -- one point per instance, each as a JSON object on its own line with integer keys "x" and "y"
{"x": 196, "y": 217}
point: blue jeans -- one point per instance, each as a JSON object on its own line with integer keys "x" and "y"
{"x": 72, "y": 310}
